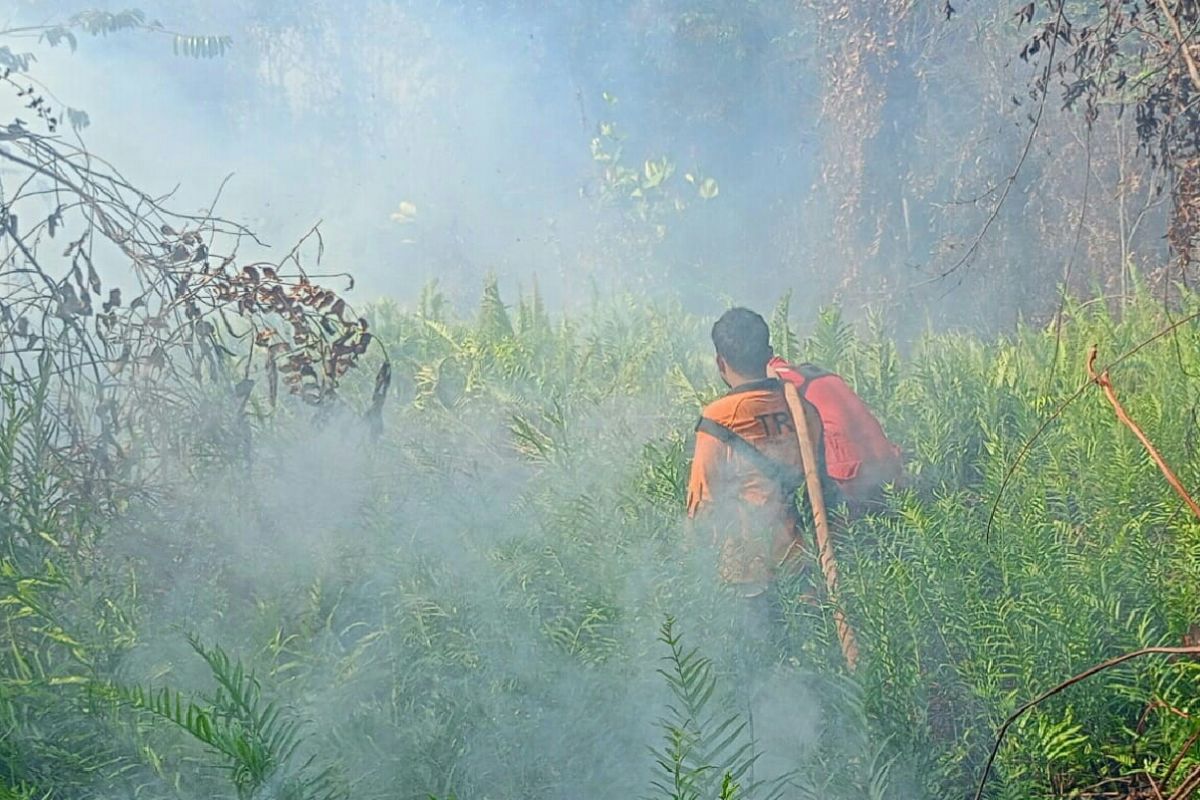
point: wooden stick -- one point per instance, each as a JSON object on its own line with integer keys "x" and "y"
{"x": 1104, "y": 383}
{"x": 826, "y": 558}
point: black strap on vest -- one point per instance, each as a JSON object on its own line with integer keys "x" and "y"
{"x": 785, "y": 475}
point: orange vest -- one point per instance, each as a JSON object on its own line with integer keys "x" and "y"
{"x": 751, "y": 516}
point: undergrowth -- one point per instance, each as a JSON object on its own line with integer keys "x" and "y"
{"x": 466, "y": 603}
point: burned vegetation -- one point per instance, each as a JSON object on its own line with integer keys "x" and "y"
{"x": 120, "y": 317}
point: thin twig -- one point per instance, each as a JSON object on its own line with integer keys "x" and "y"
{"x": 1183, "y": 751}
{"x": 1189, "y": 786}
{"x": 1101, "y": 667}
{"x": 1011, "y": 179}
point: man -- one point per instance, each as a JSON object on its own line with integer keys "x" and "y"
{"x": 747, "y": 462}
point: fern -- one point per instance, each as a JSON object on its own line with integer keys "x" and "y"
{"x": 257, "y": 741}
{"x": 524, "y": 509}
{"x": 783, "y": 340}
{"x": 432, "y": 303}
{"x": 531, "y": 442}
{"x": 493, "y": 316}
{"x": 705, "y": 754}
{"x": 831, "y": 340}
{"x": 531, "y": 314}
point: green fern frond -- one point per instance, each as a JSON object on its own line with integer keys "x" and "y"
{"x": 704, "y": 754}
{"x": 831, "y": 341}
{"x": 783, "y": 340}
{"x": 493, "y": 315}
{"x": 256, "y": 739}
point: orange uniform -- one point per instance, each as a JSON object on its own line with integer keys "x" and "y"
{"x": 751, "y": 515}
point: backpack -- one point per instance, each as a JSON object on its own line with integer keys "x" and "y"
{"x": 858, "y": 456}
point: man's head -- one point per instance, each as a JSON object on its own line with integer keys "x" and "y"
{"x": 743, "y": 344}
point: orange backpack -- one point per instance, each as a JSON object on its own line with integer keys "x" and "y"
{"x": 859, "y": 458}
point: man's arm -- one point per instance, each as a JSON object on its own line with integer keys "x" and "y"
{"x": 706, "y": 462}
{"x": 705, "y": 459}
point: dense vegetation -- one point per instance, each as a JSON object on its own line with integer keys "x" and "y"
{"x": 477, "y": 601}
{"x": 219, "y": 577}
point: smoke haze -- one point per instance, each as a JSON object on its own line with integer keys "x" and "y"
{"x": 447, "y": 140}
{"x": 469, "y": 600}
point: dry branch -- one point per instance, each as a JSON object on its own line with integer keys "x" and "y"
{"x": 1102, "y": 380}
{"x": 144, "y": 316}
{"x": 1028, "y": 444}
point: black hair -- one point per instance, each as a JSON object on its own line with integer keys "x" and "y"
{"x": 743, "y": 339}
